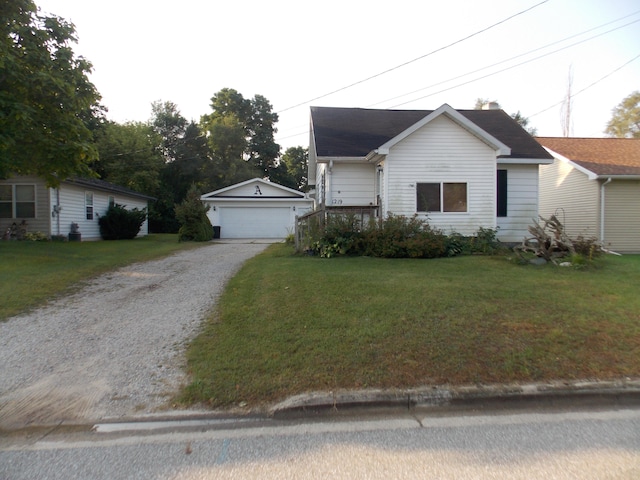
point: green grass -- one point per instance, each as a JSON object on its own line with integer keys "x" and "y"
{"x": 33, "y": 272}
{"x": 289, "y": 324}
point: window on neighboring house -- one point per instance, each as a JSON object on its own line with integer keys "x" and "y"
{"x": 17, "y": 201}
{"x": 441, "y": 197}
{"x": 88, "y": 204}
{"x": 501, "y": 194}
{"x": 112, "y": 200}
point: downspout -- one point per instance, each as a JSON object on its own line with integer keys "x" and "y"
{"x": 329, "y": 185}
{"x": 602, "y": 210}
{"x": 57, "y": 209}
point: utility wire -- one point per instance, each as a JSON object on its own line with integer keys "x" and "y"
{"x": 517, "y": 56}
{"x": 513, "y": 66}
{"x": 496, "y": 64}
{"x": 415, "y": 59}
{"x": 588, "y": 86}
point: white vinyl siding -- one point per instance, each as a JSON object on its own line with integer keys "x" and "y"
{"x": 74, "y": 210}
{"x": 522, "y": 202}
{"x": 622, "y": 221}
{"x": 568, "y": 193}
{"x": 442, "y": 151}
{"x": 352, "y": 184}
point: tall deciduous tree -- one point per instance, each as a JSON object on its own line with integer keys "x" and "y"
{"x": 241, "y": 131}
{"x": 130, "y": 156}
{"x": 46, "y": 98}
{"x": 625, "y": 119}
{"x": 296, "y": 160}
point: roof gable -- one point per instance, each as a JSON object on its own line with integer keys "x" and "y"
{"x": 462, "y": 121}
{"x": 599, "y": 156}
{"x": 254, "y": 188}
{"x": 355, "y": 132}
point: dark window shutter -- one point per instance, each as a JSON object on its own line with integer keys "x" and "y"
{"x": 502, "y": 193}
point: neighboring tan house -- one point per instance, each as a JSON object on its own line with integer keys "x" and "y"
{"x": 53, "y": 210}
{"x": 255, "y": 208}
{"x": 593, "y": 187}
{"x": 459, "y": 169}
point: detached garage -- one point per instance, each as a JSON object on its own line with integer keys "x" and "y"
{"x": 256, "y": 209}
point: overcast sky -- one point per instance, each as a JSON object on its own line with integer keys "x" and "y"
{"x": 296, "y": 52}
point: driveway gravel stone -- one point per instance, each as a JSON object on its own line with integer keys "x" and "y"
{"x": 115, "y": 348}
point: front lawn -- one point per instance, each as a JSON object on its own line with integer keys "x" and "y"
{"x": 33, "y": 272}
{"x": 289, "y": 324}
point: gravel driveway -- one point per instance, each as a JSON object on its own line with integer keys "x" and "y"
{"x": 115, "y": 348}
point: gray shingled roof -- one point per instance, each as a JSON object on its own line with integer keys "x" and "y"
{"x": 354, "y": 132}
{"x": 106, "y": 186}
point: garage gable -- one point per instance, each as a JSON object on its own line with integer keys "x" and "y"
{"x": 255, "y": 188}
{"x": 255, "y": 209}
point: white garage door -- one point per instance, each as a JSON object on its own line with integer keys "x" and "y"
{"x": 255, "y": 222}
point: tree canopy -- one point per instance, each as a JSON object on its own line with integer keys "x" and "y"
{"x": 47, "y": 102}
{"x": 625, "y": 119}
{"x": 518, "y": 117}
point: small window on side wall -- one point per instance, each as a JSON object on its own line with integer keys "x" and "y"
{"x": 88, "y": 204}
{"x": 112, "y": 200}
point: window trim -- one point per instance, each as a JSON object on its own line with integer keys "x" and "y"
{"x": 89, "y": 207}
{"x": 14, "y": 201}
{"x": 441, "y": 194}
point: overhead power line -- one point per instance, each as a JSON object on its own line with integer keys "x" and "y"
{"x": 500, "y": 71}
{"x": 518, "y": 56}
{"x": 587, "y": 87}
{"x": 513, "y": 66}
{"x": 415, "y": 59}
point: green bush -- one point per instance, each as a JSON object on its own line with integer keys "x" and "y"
{"x": 192, "y": 215}
{"x": 121, "y": 224}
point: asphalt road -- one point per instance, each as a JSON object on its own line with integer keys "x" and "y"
{"x": 591, "y": 444}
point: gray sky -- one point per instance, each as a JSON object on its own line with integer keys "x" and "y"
{"x": 295, "y": 52}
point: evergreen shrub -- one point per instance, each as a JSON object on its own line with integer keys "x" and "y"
{"x": 192, "y": 215}
{"x": 121, "y": 224}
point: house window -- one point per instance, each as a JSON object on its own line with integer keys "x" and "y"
{"x": 112, "y": 200}
{"x": 88, "y": 204}
{"x": 17, "y": 201}
{"x": 501, "y": 193}
{"x": 441, "y": 197}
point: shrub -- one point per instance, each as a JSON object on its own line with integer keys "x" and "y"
{"x": 121, "y": 224}
{"x": 192, "y": 215}
{"x": 36, "y": 236}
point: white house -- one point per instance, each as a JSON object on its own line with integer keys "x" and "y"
{"x": 593, "y": 187}
{"x": 255, "y": 208}
{"x": 53, "y": 210}
{"x": 459, "y": 169}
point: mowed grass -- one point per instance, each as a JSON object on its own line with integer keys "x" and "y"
{"x": 291, "y": 324}
{"x": 32, "y": 273}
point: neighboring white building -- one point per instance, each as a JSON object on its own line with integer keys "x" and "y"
{"x": 53, "y": 210}
{"x": 458, "y": 169}
{"x": 593, "y": 187}
{"x": 255, "y": 208}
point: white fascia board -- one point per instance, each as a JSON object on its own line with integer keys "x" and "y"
{"x": 524, "y": 161}
{"x": 341, "y": 159}
{"x": 591, "y": 175}
{"x": 211, "y": 195}
{"x": 461, "y": 120}
{"x": 255, "y": 200}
